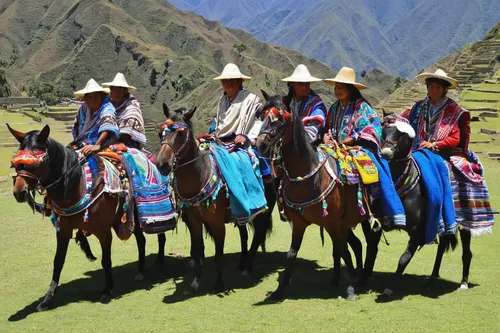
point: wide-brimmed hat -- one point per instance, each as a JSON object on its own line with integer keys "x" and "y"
{"x": 438, "y": 74}
{"x": 90, "y": 87}
{"x": 346, "y": 75}
{"x": 301, "y": 74}
{"x": 119, "y": 81}
{"x": 231, "y": 71}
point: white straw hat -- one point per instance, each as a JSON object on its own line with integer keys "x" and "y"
{"x": 90, "y": 87}
{"x": 231, "y": 71}
{"x": 301, "y": 74}
{"x": 346, "y": 75}
{"x": 119, "y": 81}
{"x": 438, "y": 74}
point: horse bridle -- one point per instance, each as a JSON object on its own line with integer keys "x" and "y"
{"x": 170, "y": 126}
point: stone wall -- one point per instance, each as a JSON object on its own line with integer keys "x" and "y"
{"x": 19, "y": 100}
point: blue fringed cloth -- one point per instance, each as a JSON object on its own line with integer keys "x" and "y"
{"x": 244, "y": 182}
{"x": 155, "y": 206}
{"x": 440, "y": 211}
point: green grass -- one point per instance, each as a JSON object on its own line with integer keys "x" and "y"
{"x": 468, "y": 94}
{"x": 28, "y": 245}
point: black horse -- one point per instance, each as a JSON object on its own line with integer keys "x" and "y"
{"x": 396, "y": 148}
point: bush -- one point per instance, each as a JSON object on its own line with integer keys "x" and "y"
{"x": 45, "y": 92}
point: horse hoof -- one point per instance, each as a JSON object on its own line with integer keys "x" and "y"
{"x": 463, "y": 286}
{"x": 91, "y": 258}
{"x": 245, "y": 273}
{"x": 44, "y": 306}
{"x": 105, "y": 296}
{"x": 388, "y": 292}
{"x": 351, "y": 295}
{"x": 275, "y": 296}
{"x": 218, "y": 288}
{"x": 139, "y": 277}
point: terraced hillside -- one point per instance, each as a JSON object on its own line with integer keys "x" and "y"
{"x": 477, "y": 67}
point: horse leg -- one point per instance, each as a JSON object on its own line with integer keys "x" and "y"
{"x": 197, "y": 251}
{"x": 162, "y": 240}
{"x": 404, "y": 260}
{"x": 244, "y": 246}
{"x": 105, "y": 241}
{"x": 357, "y": 248}
{"x": 270, "y": 193}
{"x": 340, "y": 250}
{"x": 372, "y": 241}
{"x": 465, "y": 236}
{"x": 299, "y": 227}
{"x": 262, "y": 224}
{"x": 63, "y": 237}
{"x": 219, "y": 233}
{"x": 83, "y": 242}
{"x": 141, "y": 249}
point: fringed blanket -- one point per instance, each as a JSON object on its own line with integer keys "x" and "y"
{"x": 244, "y": 182}
{"x": 155, "y": 205}
{"x": 470, "y": 193}
{"x": 440, "y": 215}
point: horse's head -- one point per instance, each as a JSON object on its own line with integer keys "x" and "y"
{"x": 397, "y": 138}
{"x": 31, "y": 161}
{"x": 276, "y": 118}
{"x": 176, "y": 137}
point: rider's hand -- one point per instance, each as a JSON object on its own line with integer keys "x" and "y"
{"x": 427, "y": 144}
{"x": 328, "y": 138}
{"x": 348, "y": 142}
{"x": 240, "y": 139}
{"x": 89, "y": 149}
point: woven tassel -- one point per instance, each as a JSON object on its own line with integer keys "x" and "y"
{"x": 86, "y": 216}
{"x": 54, "y": 218}
{"x": 325, "y": 206}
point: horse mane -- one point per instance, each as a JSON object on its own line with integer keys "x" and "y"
{"x": 62, "y": 161}
{"x": 300, "y": 143}
{"x": 178, "y": 115}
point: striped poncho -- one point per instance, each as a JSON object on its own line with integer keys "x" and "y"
{"x": 88, "y": 125}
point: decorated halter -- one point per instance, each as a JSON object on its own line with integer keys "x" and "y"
{"x": 275, "y": 119}
{"x": 403, "y": 126}
{"x": 169, "y": 127}
{"x": 28, "y": 158}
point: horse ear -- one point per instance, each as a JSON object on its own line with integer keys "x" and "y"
{"x": 166, "y": 110}
{"x": 18, "y": 135}
{"x": 189, "y": 114}
{"x": 266, "y": 95}
{"x": 43, "y": 135}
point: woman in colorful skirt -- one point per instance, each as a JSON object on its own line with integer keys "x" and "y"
{"x": 351, "y": 121}
{"x": 442, "y": 126}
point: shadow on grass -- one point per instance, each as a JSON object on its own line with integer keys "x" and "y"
{"x": 87, "y": 289}
{"x": 309, "y": 281}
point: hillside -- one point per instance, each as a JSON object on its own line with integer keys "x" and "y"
{"x": 169, "y": 55}
{"x": 397, "y": 36}
{"x": 477, "y": 68}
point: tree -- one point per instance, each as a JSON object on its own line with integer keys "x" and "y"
{"x": 45, "y": 92}
{"x": 363, "y": 73}
{"x": 240, "y": 47}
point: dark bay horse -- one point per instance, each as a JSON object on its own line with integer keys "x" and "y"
{"x": 57, "y": 169}
{"x": 193, "y": 170}
{"x": 311, "y": 194}
{"x": 396, "y": 148}
{"x": 25, "y": 189}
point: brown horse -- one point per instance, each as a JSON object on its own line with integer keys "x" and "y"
{"x": 57, "y": 170}
{"x": 25, "y": 190}
{"x": 203, "y": 206}
{"x": 311, "y": 194}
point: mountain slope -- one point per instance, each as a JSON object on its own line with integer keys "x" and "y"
{"x": 399, "y": 36}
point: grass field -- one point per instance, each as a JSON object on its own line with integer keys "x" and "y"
{"x": 27, "y": 246}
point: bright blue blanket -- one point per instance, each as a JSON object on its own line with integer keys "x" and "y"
{"x": 392, "y": 207}
{"x": 244, "y": 182}
{"x": 440, "y": 213}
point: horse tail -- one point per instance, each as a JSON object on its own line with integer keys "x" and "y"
{"x": 322, "y": 235}
{"x": 209, "y": 231}
{"x": 83, "y": 242}
{"x": 450, "y": 242}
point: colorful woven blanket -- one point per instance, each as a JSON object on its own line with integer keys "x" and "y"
{"x": 155, "y": 206}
